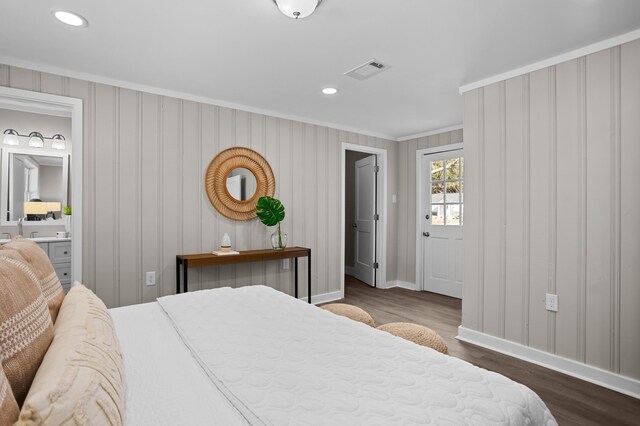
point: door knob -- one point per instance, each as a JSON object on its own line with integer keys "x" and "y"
{"x": 426, "y": 234}
{"x": 354, "y": 225}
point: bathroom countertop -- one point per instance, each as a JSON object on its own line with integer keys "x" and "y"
{"x": 41, "y": 240}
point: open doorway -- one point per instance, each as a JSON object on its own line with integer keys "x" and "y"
{"x": 360, "y": 216}
{"x": 364, "y": 214}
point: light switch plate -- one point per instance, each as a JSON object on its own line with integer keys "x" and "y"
{"x": 551, "y": 302}
{"x": 285, "y": 263}
{"x": 151, "y": 278}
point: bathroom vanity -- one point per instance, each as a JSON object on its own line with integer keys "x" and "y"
{"x": 59, "y": 251}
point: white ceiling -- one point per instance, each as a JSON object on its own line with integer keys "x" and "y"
{"x": 246, "y": 53}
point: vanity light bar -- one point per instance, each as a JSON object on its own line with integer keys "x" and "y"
{"x": 36, "y": 139}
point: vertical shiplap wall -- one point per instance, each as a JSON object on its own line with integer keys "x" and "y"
{"x": 145, "y": 157}
{"x": 407, "y": 198}
{"x": 552, "y": 174}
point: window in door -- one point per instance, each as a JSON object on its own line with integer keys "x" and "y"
{"x": 447, "y": 189}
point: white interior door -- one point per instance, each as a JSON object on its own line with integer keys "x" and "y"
{"x": 365, "y": 223}
{"x": 442, "y": 219}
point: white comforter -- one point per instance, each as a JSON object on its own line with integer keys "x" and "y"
{"x": 164, "y": 385}
{"x": 281, "y": 361}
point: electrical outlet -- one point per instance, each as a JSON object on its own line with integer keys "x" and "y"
{"x": 551, "y": 302}
{"x": 285, "y": 263}
{"x": 151, "y": 278}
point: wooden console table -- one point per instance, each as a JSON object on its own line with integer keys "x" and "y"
{"x": 209, "y": 259}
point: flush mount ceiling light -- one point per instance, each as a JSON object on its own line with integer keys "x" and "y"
{"x": 297, "y": 9}
{"x": 329, "y": 90}
{"x": 70, "y": 18}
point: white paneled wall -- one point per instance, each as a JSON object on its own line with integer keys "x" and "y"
{"x": 145, "y": 157}
{"x": 407, "y": 198}
{"x": 552, "y": 174}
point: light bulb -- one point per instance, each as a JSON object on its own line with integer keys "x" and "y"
{"x": 58, "y": 142}
{"x": 35, "y": 140}
{"x": 10, "y": 137}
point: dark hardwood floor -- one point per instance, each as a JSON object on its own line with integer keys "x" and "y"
{"x": 572, "y": 401}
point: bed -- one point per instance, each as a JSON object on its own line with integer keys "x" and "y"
{"x": 256, "y": 356}
{"x": 245, "y": 356}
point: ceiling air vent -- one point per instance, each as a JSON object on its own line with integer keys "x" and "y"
{"x": 367, "y": 70}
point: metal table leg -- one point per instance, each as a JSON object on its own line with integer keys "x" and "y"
{"x": 178, "y": 275}
{"x": 309, "y": 278}
{"x": 295, "y": 282}
{"x": 185, "y": 267}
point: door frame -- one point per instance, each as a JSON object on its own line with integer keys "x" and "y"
{"x": 419, "y": 252}
{"x": 64, "y": 106}
{"x": 381, "y": 225}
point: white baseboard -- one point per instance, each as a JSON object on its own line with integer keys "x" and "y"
{"x": 324, "y": 298}
{"x": 402, "y": 284}
{"x": 388, "y": 284}
{"x": 568, "y": 366}
{"x": 392, "y": 284}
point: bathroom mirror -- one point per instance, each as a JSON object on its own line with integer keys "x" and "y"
{"x": 241, "y": 184}
{"x": 34, "y": 186}
{"x": 226, "y": 175}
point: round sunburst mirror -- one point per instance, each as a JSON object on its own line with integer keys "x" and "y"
{"x": 234, "y": 181}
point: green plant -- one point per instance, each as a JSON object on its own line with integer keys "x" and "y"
{"x": 270, "y": 211}
{"x": 67, "y": 210}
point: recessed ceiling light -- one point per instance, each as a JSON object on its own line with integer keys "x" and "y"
{"x": 329, "y": 90}
{"x": 70, "y": 18}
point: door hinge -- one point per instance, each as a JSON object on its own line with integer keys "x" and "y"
{"x": 376, "y": 169}
{"x": 375, "y": 265}
{"x": 376, "y": 216}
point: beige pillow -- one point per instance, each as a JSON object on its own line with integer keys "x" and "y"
{"x": 39, "y": 262}
{"x": 81, "y": 379}
{"x": 25, "y": 324}
{"x": 8, "y": 406}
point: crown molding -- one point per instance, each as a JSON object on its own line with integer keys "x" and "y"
{"x": 564, "y": 57}
{"x": 431, "y": 132}
{"x": 11, "y": 61}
